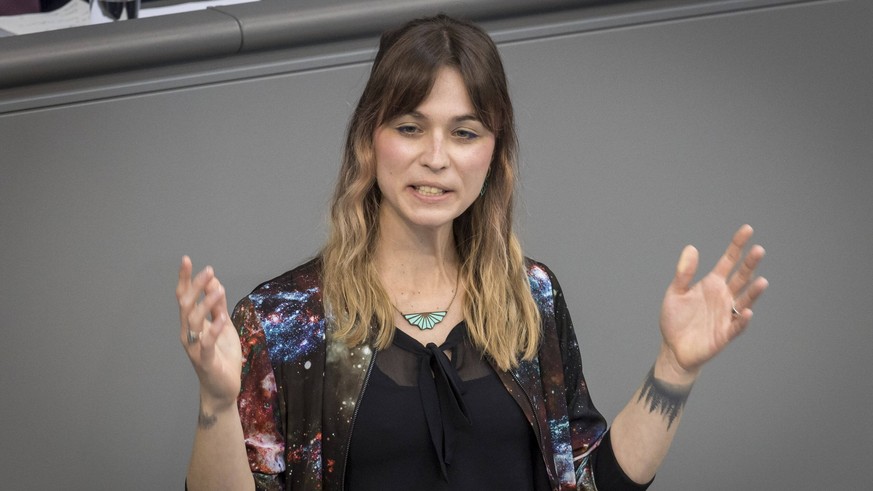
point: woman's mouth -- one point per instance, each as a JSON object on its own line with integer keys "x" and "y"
{"x": 429, "y": 191}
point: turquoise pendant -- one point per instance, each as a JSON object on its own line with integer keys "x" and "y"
{"x": 425, "y": 320}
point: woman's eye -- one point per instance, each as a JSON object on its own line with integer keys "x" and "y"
{"x": 407, "y": 129}
{"x": 466, "y": 134}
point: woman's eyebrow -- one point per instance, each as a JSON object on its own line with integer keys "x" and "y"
{"x": 457, "y": 119}
{"x": 466, "y": 117}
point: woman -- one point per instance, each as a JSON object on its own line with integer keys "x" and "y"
{"x": 420, "y": 349}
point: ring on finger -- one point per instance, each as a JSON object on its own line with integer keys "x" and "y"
{"x": 193, "y": 337}
{"x": 734, "y": 313}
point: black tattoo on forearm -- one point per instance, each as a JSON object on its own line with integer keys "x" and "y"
{"x": 205, "y": 421}
{"x": 668, "y": 399}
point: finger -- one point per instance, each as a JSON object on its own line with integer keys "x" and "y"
{"x": 196, "y": 288}
{"x": 182, "y": 287}
{"x": 734, "y": 251}
{"x": 197, "y": 319}
{"x": 744, "y": 274}
{"x": 743, "y": 306}
{"x": 686, "y": 268}
{"x": 212, "y": 285}
{"x": 220, "y": 307}
{"x": 188, "y": 300}
{"x": 217, "y": 327}
{"x": 203, "y": 278}
{"x": 747, "y": 300}
{"x": 741, "y": 321}
{"x": 739, "y": 324}
{"x": 184, "y": 277}
{"x": 209, "y": 338}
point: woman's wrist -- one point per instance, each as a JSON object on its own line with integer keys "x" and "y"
{"x": 668, "y": 370}
{"x": 210, "y": 405}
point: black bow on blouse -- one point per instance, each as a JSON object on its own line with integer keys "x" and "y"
{"x": 440, "y": 388}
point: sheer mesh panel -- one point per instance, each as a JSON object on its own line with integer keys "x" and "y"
{"x": 401, "y": 365}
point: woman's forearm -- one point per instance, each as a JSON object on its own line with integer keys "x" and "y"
{"x": 643, "y": 431}
{"x": 219, "y": 459}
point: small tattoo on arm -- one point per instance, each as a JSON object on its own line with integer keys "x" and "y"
{"x": 668, "y": 399}
{"x": 206, "y": 421}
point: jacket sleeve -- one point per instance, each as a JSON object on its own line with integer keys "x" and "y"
{"x": 596, "y": 466}
{"x": 258, "y": 401}
{"x": 587, "y": 425}
{"x": 608, "y": 474}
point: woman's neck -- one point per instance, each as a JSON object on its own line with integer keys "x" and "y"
{"x": 408, "y": 260}
{"x": 419, "y": 270}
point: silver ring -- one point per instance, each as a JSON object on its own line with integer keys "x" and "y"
{"x": 734, "y": 312}
{"x": 193, "y": 337}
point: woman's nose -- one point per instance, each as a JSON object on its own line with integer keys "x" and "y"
{"x": 435, "y": 155}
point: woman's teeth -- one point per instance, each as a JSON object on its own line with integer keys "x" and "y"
{"x": 429, "y": 191}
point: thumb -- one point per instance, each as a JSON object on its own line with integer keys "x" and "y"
{"x": 686, "y": 268}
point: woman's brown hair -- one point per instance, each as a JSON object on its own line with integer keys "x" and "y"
{"x": 501, "y": 315}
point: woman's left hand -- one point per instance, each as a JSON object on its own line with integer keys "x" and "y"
{"x": 699, "y": 320}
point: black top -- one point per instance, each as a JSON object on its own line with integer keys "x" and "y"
{"x": 428, "y": 421}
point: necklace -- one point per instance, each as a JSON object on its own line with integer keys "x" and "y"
{"x": 426, "y": 320}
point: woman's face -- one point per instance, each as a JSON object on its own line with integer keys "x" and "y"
{"x": 431, "y": 163}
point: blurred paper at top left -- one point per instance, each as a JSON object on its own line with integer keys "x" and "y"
{"x": 73, "y": 14}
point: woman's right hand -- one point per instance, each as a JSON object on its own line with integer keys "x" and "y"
{"x": 208, "y": 335}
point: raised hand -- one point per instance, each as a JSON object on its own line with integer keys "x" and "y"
{"x": 208, "y": 335}
{"x": 699, "y": 320}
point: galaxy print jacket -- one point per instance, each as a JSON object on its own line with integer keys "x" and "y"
{"x": 300, "y": 388}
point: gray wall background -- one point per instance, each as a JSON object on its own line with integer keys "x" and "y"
{"x": 636, "y": 140}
